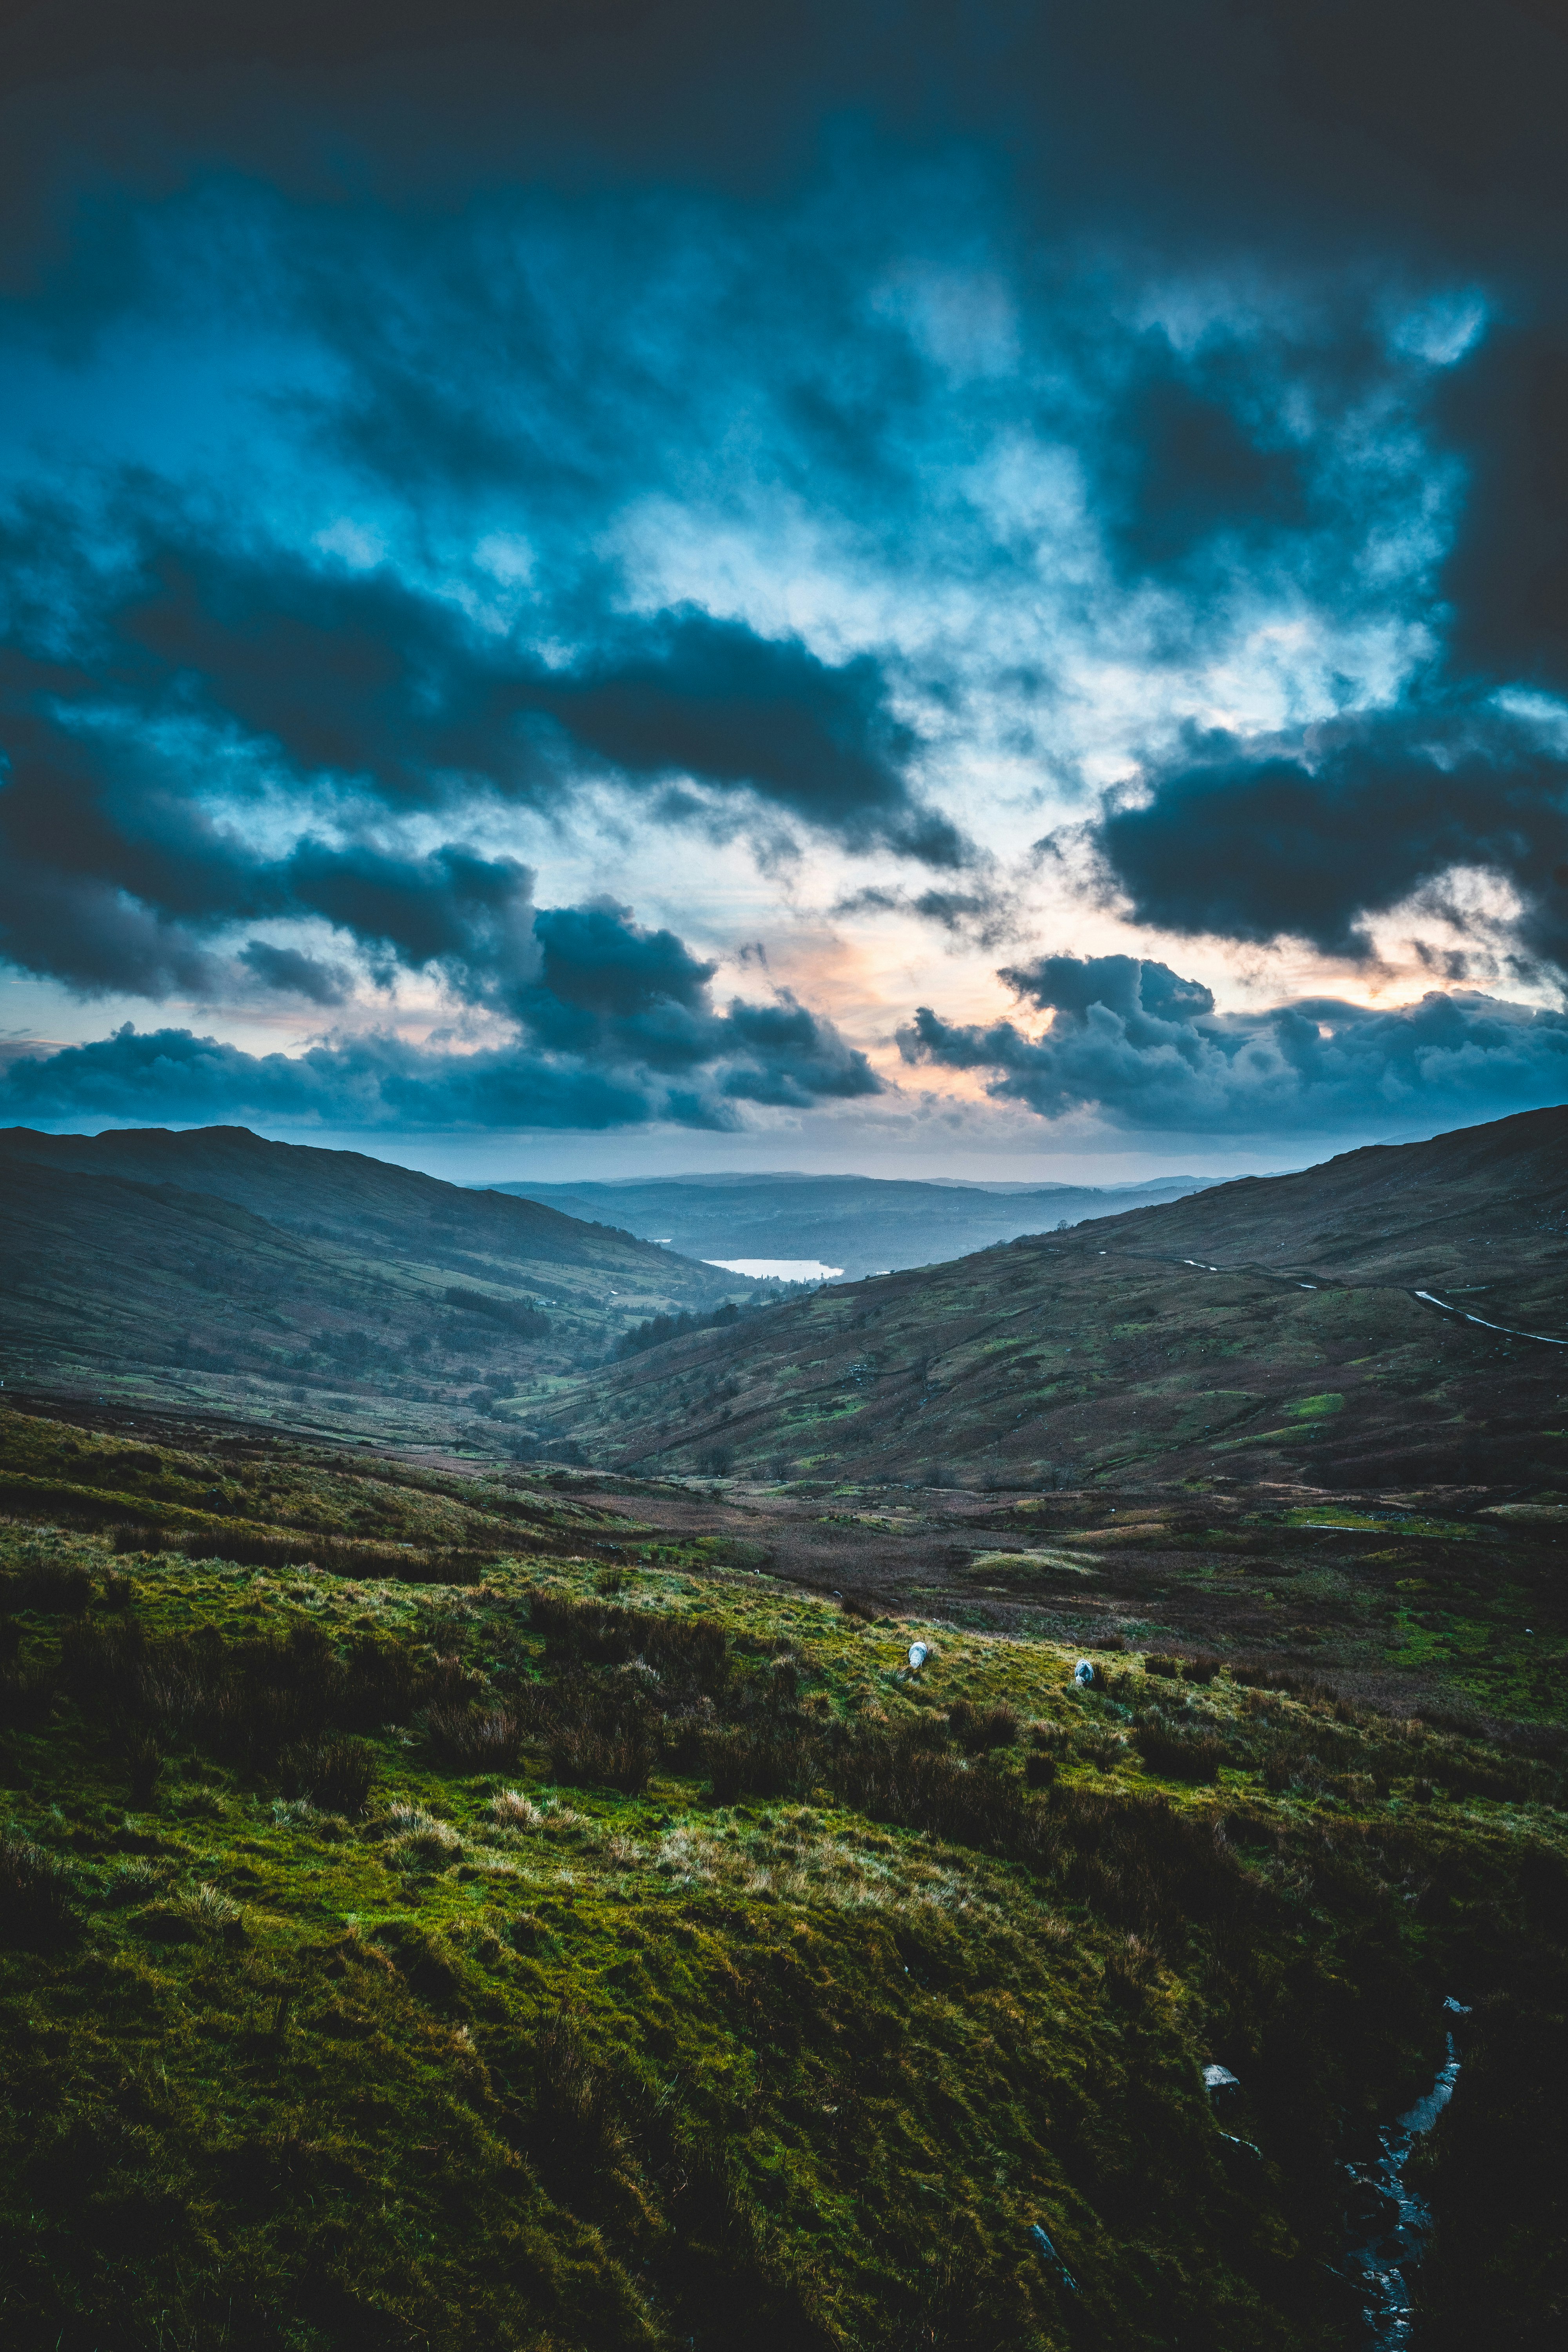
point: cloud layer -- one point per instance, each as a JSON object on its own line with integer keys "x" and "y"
{"x": 1146, "y": 1050}
{"x": 776, "y": 1054}
{"x": 1256, "y": 841}
{"x": 446, "y": 447}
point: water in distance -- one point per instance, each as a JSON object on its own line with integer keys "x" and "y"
{"x": 778, "y": 1269}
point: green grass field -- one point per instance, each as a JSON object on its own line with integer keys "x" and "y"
{"x": 608, "y": 1946}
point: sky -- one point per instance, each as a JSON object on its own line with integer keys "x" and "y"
{"x": 975, "y": 591}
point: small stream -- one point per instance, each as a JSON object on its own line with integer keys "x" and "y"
{"x": 1387, "y": 2224}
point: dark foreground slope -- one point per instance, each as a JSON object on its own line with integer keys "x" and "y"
{"x": 324, "y": 1287}
{"x": 865, "y": 1224}
{"x": 593, "y": 1958}
{"x": 1266, "y": 1329}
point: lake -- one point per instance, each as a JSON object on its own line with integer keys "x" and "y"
{"x": 778, "y": 1269}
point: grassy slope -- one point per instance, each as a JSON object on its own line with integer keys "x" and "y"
{"x": 235, "y": 1494}
{"x": 1461, "y": 1607}
{"x": 1101, "y": 1355}
{"x": 1482, "y": 1212}
{"x": 795, "y": 2042}
{"x": 255, "y": 1277}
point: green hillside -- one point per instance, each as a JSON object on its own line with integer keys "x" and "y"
{"x": 318, "y": 1290}
{"x": 606, "y": 1947}
{"x": 1266, "y": 1329}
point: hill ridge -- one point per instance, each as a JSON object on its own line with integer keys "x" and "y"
{"x": 359, "y": 1290}
{"x": 1098, "y": 1353}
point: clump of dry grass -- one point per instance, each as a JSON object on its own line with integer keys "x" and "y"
{"x": 336, "y": 1774}
{"x": 136, "y": 1882}
{"x": 425, "y": 1835}
{"x": 977, "y": 1728}
{"x": 474, "y": 1738}
{"x": 1179, "y": 1755}
{"x": 513, "y": 1811}
{"x": 211, "y": 1909}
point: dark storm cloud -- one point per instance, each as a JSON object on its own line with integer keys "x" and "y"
{"x": 488, "y": 221}
{"x": 779, "y": 1054}
{"x": 1424, "y": 108}
{"x": 468, "y": 917}
{"x": 365, "y": 1082}
{"x": 115, "y": 881}
{"x": 1261, "y": 842}
{"x": 614, "y": 1024}
{"x": 364, "y": 678}
{"x": 287, "y": 973}
{"x": 1195, "y": 451}
{"x": 618, "y": 994}
{"x": 686, "y": 694}
{"x": 788, "y": 1056}
{"x": 596, "y": 959}
{"x": 1503, "y": 413}
{"x": 118, "y": 875}
{"x": 1146, "y": 1049}
{"x": 1312, "y": 836}
{"x": 110, "y": 879}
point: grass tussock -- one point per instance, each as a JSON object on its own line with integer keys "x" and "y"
{"x": 37, "y": 1912}
{"x": 474, "y": 1738}
{"x": 1180, "y": 1756}
{"x": 337, "y": 1773}
{"x": 55, "y": 1586}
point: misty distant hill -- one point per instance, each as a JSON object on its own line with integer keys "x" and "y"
{"x": 867, "y": 1225}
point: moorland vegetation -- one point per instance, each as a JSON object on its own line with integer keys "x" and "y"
{"x": 613, "y": 1945}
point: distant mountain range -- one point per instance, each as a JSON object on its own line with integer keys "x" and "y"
{"x": 1334, "y": 1325}
{"x": 865, "y": 1224}
{"x": 318, "y": 1288}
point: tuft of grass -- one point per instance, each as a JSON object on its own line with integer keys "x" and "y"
{"x": 1179, "y": 1755}
{"x": 52, "y": 1586}
{"x": 214, "y": 1910}
{"x": 336, "y": 1773}
{"x": 514, "y": 1811}
{"x": 590, "y": 1755}
{"x": 474, "y": 1738}
{"x": 422, "y": 1833}
{"x": 977, "y": 1727}
{"x": 36, "y": 1909}
{"x": 144, "y": 1769}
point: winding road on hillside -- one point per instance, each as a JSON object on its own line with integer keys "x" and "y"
{"x": 1427, "y": 1297}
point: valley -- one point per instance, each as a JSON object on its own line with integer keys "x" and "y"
{"x": 772, "y": 1819}
{"x": 1269, "y": 1329}
{"x": 321, "y": 1291}
{"x": 863, "y": 1224}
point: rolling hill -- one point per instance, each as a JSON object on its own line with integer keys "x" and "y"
{"x": 1269, "y": 1329}
{"x": 323, "y": 1288}
{"x": 863, "y": 1224}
